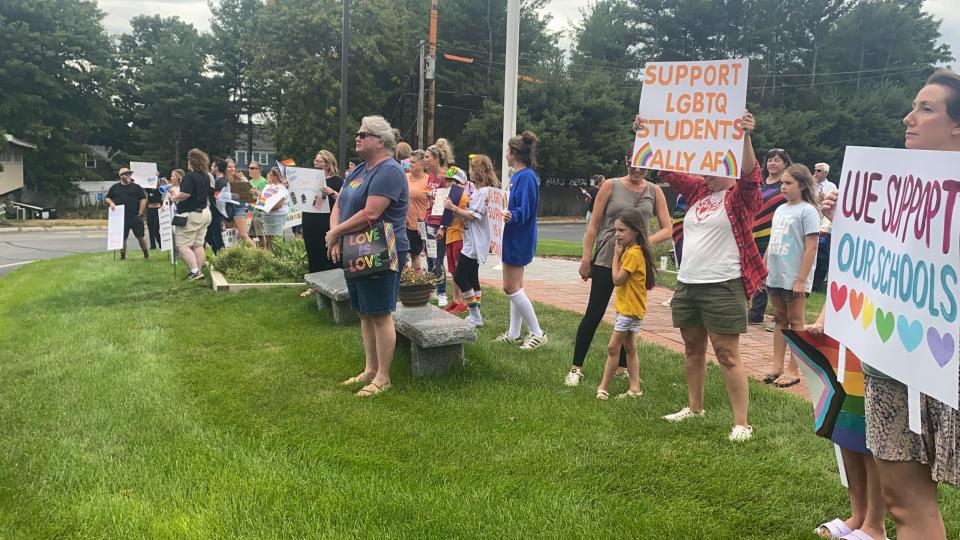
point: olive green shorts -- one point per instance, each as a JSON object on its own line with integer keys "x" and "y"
{"x": 719, "y": 307}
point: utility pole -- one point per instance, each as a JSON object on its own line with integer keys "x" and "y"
{"x": 423, "y": 44}
{"x": 510, "y": 85}
{"x": 431, "y": 72}
{"x": 344, "y": 61}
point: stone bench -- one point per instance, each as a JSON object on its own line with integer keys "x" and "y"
{"x": 436, "y": 338}
{"x": 332, "y": 292}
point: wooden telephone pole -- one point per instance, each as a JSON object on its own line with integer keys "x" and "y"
{"x": 431, "y": 72}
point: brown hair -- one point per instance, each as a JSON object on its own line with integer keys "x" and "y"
{"x": 276, "y": 172}
{"x": 951, "y": 80}
{"x": 197, "y": 160}
{"x": 403, "y": 151}
{"x": 524, "y": 148}
{"x": 481, "y": 172}
{"x": 808, "y": 184}
{"x": 634, "y": 220}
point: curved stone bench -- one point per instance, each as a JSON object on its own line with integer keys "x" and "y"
{"x": 332, "y": 292}
{"x": 436, "y": 338}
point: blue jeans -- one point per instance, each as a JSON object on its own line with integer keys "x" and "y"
{"x": 436, "y": 264}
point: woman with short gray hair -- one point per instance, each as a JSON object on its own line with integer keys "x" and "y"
{"x": 375, "y": 191}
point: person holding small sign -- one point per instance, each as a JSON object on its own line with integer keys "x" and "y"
{"x": 520, "y": 240}
{"x": 315, "y": 224}
{"x": 721, "y": 269}
{"x": 275, "y": 217}
{"x": 133, "y": 199}
{"x": 375, "y": 192}
{"x": 911, "y": 464}
{"x": 439, "y": 158}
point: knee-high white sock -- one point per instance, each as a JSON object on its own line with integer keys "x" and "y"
{"x": 515, "y": 319}
{"x": 525, "y": 308}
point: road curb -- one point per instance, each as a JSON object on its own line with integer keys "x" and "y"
{"x": 41, "y": 229}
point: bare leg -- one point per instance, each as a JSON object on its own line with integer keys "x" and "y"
{"x": 240, "y": 223}
{"x": 512, "y": 278}
{"x": 779, "y": 344}
{"x": 613, "y": 358}
{"x": 795, "y": 321}
{"x": 368, "y": 331}
{"x": 633, "y": 362}
{"x": 386, "y": 343}
{"x": 876, "y": 509}
{"x": 695, "y": 364}
{"x": 855, "y": 465}
{"x": 911, "y": 496}
{"x": 186, "y": 253}
{"x": 727, "y": 349}
{"x": 200, "y": 254}
{"x": 143, "y": 244}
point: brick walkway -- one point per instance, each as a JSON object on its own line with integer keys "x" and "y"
{"x": 556, "y": 282}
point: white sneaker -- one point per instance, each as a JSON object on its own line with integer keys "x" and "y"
{"x": 534, "y": 342}
{"x": 741, "y": 433}
{"x": 683, "y": 414}
{"x": 473, "y": 322}
{"x": 441, "y": 300}
{"x": 573, "y": 378}
{"x": 505, "y": 338}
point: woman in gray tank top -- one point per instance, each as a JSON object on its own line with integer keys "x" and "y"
{"x": 615, "y": 196}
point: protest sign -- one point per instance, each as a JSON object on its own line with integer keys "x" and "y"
{"x": 166, "y": 226}
{"x": 455, "y": 194}
{"x": 438, "y": 195}
{"x": 306, "y": 190}
{"x": 495, "y": 206}
{"x": 431, "y": 248}
{"x": 693, "y": 117}
{"x": 229, "y": 237}
{"x": 115, "y": 228}
{"x": 271, "y": 195}
{"x": 144, "y": 174}
{"x": 894, "y": 258}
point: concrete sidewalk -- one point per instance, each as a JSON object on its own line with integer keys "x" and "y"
{"x": 557, "y": 282}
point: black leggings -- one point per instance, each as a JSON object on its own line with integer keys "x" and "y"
{"x": 153, "y": 226}
{"x": 467, "y": 276}
{"x": 601, "y": 288}
{"x": 315, "y": 228}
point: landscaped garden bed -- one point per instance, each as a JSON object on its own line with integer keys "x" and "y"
{"x": 242, "y": 267}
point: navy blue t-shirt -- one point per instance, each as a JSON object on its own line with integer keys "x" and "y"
{"x": 385, "y": 179}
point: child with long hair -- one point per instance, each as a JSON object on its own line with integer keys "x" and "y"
{"x": 633, "y": 276}
{"x": 476, "y": 234}
{"x": 790, "y": 259}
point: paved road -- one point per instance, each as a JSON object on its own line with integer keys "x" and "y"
{"x": 20, "y": 248}
{"x": 569, "y": 232}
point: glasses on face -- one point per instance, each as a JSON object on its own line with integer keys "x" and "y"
{"x": 255, "y": 167}
{"x": 364, "y": 135}
{"x": 818, "y": 170}
{"x": 127, "y": 174}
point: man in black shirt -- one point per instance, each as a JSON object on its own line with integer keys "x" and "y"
{"x": 134, "y": 201}
{"x": 192, "y": 204}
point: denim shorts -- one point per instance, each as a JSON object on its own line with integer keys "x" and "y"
{"x": 626, "y": 323}
{"x": 376, "y": 295}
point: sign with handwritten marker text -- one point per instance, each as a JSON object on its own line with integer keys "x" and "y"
{"x": 693, "y": 117}
{"x": 496, "y": 204}
{"x": 895, "y": 266}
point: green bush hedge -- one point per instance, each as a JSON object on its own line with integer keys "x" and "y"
{"x": 242, "y": 263}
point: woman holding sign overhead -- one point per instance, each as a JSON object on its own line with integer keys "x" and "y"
{"x": 910, "y": 464}
{"x": 374, "y": 194}
{"x": 520, "y": 240}
{"x": 721, "y": 269}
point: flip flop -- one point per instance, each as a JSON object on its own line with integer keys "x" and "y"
{"x": 857, "y": 534}
{"x": 356, "y": 380}
{"x": 768, "y": 377}
{"x": 367, "y": 391}
{"x": 834, "y": 529}
{"x": 786, "y": 381}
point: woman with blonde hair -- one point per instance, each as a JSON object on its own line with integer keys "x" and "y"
{"x": 274, "y": 219}
{"x": 315, "y": 225}
{"x": 439, "y": 159}
{"x": 239, "y": 219}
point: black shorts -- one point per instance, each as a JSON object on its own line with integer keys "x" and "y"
{"x": 416, "y": 243}
{"x": 135, "y": 224}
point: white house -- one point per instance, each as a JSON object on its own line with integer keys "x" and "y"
{"x": 11, "y": 159}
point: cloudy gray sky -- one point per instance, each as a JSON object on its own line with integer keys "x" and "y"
{"x": 119, "y": 13}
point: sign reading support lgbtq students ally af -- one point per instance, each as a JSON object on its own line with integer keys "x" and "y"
{"x": 895, "y": 266}
{"x": 692, "y": 113}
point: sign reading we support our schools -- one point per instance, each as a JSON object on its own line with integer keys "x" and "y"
{"x": 693, "y": 114}
{"x": 495, "y": 206}
{"x": 894, "y": 261}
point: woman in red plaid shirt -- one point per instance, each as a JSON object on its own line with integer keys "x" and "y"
{"x": 720, "y": 270}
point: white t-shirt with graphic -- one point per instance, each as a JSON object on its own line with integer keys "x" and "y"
{"x": 791, "y": 224}
{"x": 710, "y": 252}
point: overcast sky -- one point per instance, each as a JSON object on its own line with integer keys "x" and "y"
{"x": 119, "y": 13}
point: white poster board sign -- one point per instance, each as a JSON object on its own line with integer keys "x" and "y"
{"x": 306, "y": 190}
{"x": 270, "y": 197}
{"x": 115, "y": 228}
{"x": 439, "y": 194}
{"x": 229, "y": 237}
{"x": 693, "y": 117}
{"x": 895, "y": 266}
{"x": 166, "y": 226}
{"x": 496, "y": 203}
{"x": 144, "y": 174}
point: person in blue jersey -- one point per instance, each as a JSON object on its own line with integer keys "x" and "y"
{"x": 520, "y": 239}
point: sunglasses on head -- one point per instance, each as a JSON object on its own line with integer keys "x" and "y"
{"x": 365, "y": 134}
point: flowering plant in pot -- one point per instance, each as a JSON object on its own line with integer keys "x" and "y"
{"x": 416, "y": 287}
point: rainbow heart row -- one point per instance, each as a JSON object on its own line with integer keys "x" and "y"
{"x": 910, "y": 332}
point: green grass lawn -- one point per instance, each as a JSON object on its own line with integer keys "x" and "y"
{"x": 559, "y": 248}
{"x": 133, "y": 406}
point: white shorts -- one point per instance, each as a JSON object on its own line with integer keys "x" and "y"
{"x": 626, "y": 323}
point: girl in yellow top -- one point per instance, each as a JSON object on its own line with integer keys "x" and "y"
{"x": 633, "y": 276}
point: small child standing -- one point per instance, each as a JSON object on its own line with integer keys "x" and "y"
{"x": 790, "y": 260}
{"x": 476, "y": 235}
{"x": 633, "y": 276}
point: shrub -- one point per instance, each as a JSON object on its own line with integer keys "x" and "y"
{"x": 244, "y": 263}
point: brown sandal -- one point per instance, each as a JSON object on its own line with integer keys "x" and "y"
{"x": 786, "y": 381}
{"x": 367, "y": 391}
{"x": 356, "y": 380}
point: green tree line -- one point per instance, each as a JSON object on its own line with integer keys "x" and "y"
{"x": 824, "y": 74}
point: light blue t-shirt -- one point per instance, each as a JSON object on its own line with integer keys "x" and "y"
{"x": 791, "y": 224}
{"x": 385, "y": 179}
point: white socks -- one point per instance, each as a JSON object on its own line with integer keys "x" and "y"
{"x": 522, "y": 310}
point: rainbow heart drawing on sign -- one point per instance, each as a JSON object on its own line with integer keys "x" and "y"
{"x": 730, "y": 165}
{"x": 856, "y": 303}
{"x": 867, "y": 313}
{"x": 910, "y": 333}
{"x": 838, "y": 295}
{"x": 940, "y": 346}
{"x": 642, "y": 156}
{"x": 884, "y": 325}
